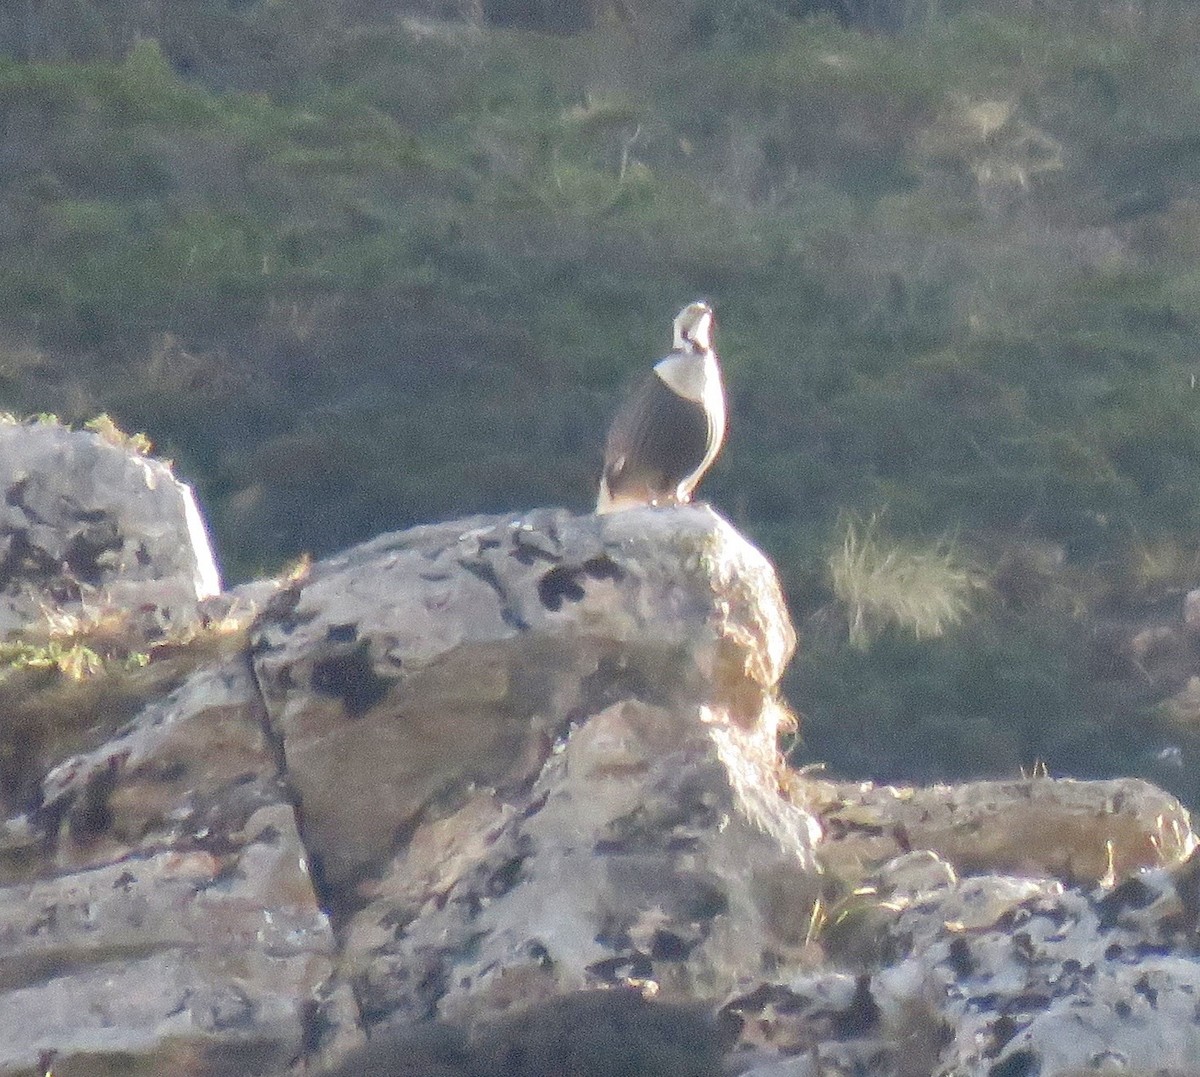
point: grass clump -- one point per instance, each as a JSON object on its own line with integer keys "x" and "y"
{"x": 70, "y": 681}
{"x": 104, "y": 425}
{"x": 74, "y": 661}
{"x": 881, "y": 583}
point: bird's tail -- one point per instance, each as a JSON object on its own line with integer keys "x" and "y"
{"x": 632, "y": 498}
{"x": 605, "y": 502}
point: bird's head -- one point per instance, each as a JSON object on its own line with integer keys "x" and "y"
{"x": 694, "y": 327}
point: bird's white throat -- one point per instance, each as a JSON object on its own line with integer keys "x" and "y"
{"x": 693, "y": 377}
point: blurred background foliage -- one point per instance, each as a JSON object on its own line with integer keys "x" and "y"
{"x": 357, "y": 264}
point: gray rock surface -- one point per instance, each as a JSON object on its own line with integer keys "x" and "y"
{"x": 503, "y": 794}
{"x": 88, "y": 525}
{"x": 459, "y": 653}
{"x": 1037, "y": 979}
{"x": 564, "y": 734}
{"x": 993, "y": 975}
{"x": 527, "y": 756}
{"x": 159, "y": 906}
{"x": 1039, "y": 828}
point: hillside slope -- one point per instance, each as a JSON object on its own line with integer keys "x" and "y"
{"x": 357, "y": 269}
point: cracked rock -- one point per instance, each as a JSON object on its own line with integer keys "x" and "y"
{"x": 159, "y": 906}
{"x": 424, "y": 663}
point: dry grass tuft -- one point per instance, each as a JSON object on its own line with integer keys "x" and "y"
{"x": 104, "y": 425}
{"x": 887, "y": 583}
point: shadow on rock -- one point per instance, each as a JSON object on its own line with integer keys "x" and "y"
{"x": 589, "y": 1034}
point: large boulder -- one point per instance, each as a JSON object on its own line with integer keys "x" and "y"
{"x": 561, "y": 736}
{"x": 460, "y": 653}
{"x": 528, "y": 758}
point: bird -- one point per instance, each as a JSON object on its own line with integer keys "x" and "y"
{"x": 672, "y": 425}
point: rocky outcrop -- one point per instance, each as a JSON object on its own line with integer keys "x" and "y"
{"x": 995, "y": 975}
{"x": 563, "y": 734}
{"x": 502, "y": 796}
{"x": 1029, "y": 977}
{"x": 1085, "y": 832}
{"x": 87, "y": 524}
{"x": 526, "y": 757}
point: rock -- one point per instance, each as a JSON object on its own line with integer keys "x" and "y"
{"x": 532, "y": 763}
{"x": 1048, "y": 982}
{"x": 159, "y": 907}
{"x": 1040, "y": 827}
{"x": 88, "y": 525}
{"x": 533, "y": 757}
{"x": 564, "y": 734}
{"x": 601, "y": 1033}
{"x": 992, "y": 975}
{"x": 492, "y": 637}
{"x": 192, "y": 769}
{"x": 1191, "y": 611}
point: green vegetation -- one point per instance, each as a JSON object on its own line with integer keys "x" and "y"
{"x": 354, "y": 269}
{"x": 104, "y": 425}
{"x": 75, "y": 661}
{"x": 74, "y": 679}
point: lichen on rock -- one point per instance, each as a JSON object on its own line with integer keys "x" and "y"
{"x": 582, "y": 712}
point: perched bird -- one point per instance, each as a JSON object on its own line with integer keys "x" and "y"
{"x": 670, "y": 429}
